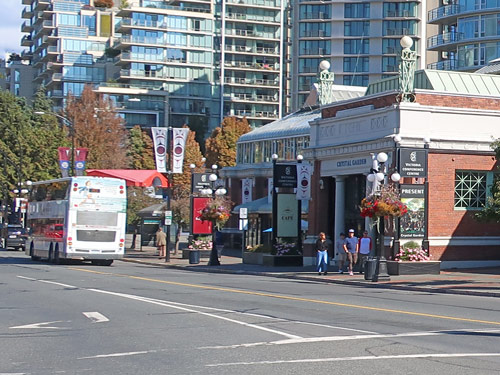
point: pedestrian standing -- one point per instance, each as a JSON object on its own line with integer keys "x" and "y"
{"x": 340, "y": 252}
{"x": 351, "y": 247}
{"x": 161, "y": 242}
{"x": 365, "y": 247}
{"x": 322, "y": 254}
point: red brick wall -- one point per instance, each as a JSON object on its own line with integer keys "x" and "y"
{"x": 444, "y": 220}
{"x": 457, "y": 101}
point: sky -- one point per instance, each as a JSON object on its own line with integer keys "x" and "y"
{"x": 10, "y": 26}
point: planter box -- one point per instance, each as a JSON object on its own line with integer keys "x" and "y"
{"x": 282, "y": 260}
{"x": 250, "y": 257}
{"x": 203, "y": 253}
{"x": 413, "y": 268}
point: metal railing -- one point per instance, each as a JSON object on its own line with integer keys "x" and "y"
{"x": 444, "y": 65}
{"x": 444, "y": 11}
{"x": 445, "y": 38}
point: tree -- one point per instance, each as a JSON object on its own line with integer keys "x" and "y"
{"x": 221, "y": 145}
{"x": 103, "y": 3}
{"x": 97, "y": 127}
{"x": 140, "y": 149}
{"x": 136, "y": 201}
{"x": 491, "y": 212}
{"x": 47, "y": 135}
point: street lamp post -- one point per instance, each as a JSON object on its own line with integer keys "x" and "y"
{"x": 214, "y": 191}
{"x": 395, "y": 177}
{"x": 425, "y": 242}
{"x": 274, "y": 233}
{"x": 377, "y": 177}
{"x": 71, "y": 127}
{"x": 299, "y": 239}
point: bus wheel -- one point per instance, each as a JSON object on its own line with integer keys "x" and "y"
{"x": 50, "y": 258}
{"x": 56, "y": 259}
{"x": 33, "y": 257}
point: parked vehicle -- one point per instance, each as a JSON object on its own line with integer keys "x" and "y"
{"x": 14, "y": 236}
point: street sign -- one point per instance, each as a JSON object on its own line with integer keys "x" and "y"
{"x": 168, "y": 214}
{"x": 243, "y": 224}
{"x": 413, "y": 163}
{"x": 168, "y": 221}
{"x": 285, "y": 176}
{"x": 243, "y": 213}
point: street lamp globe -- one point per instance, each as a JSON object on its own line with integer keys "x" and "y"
{"x": 214, "y": 167}
{"x": 395, "y": 177}
{"x": 300, "y": 157}
{"x": 221, "y": 191}
{"x": 15, "y": 191}
{"x": 192, "y": 166}
{"x": 370, "y": 177}
{"x": 406, "y": 42}
{"x": 324, "y": 65}
{"x": 397, "y": 138}
{"x": 29, "y": 183}
{"x": 427, "y": 140}
{"x": 380, "y": 176}
{"x": 274, "y": 156}
{"x": 382, "y": 157}
{"x": 24, "y": 191}
{"x": 212, "y": 177}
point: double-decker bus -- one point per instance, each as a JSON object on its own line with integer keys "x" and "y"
{"x": 77, "y": 218}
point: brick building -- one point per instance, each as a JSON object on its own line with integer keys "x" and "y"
{"x": 456, "y": 116}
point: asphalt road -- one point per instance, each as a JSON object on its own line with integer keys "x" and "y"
{"x": 136, "y": 319}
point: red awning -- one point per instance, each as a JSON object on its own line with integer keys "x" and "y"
{"x": 133, "y": 177}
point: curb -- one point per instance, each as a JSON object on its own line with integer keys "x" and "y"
{"x": 368, "y": 284}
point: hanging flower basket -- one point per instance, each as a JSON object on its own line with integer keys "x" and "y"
{"x": 216, "y": 210}
{"x": 385, "y": 202}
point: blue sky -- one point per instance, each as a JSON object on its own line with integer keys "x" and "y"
{"x": 10, "y": 29}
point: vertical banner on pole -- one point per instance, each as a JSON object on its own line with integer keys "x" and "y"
{"x": 303, "y": 181}
{"x": 270, "y": 190}
{"x": 160, "y": 145}
{"x": 80, "y": 160}
{"x": 246, "y": 190}
{"x": 64, "y": 155}
{"x": 178, "y": 146}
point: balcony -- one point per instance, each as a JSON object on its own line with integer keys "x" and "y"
{"x": 27, "y": 13}
{"x": 315, "y": 16}
{"x": 252, "y": 50}
{"x": 26, "y": 41}
{"x": 26, "y": 27}
{"x": 251, "y": 17}
{"x": 41, "y": 4}
{"x": 444, "y": 12}
{"x": 256, "y": 3}
{"x": 253, "y": 82}
{"x": 255, "y": 114}
{"x": 126, "y": 57}
{"x": 251, "y": 33}
{"x": 250, "y": 65}
{"x": 444, "y": 65}
{"x": 444, "y": 40}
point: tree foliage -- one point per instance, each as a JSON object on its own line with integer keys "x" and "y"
{"x": 491, "y": 212}
{"x": 28, "y": 145}
{"x": 140, "y": 149}
{"x": 136, "y": 201}
{"x": 221, "y": 145}
{"x": 97, "y": 127}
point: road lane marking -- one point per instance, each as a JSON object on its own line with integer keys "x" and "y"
{"x": 39, "y": 325}
{"x": 176, "y": 306}
{"x": 292, "y": 298}
{"x": 118, "y": 354}
{"x": 306, "y": 340}
{"x": 96, "y": 317}
{"x": 361, "y": 358}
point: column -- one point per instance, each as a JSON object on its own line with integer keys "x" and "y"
{"x": 339, "y": 207}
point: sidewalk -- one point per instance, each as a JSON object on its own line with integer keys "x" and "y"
{"x": 478, "y": 281}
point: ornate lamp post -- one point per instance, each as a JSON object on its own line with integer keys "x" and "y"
{"x": 325, "y": 80}
{"x": 407, "y": 70}
{"x": 214, "y": 191}
{"x": 377, "y": 178}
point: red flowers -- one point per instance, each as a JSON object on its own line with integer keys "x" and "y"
{"x": 385, "y": 202}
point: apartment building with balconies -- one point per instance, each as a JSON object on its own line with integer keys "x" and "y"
{"x": 66, "y": 42}
{"x": 359, "y": 39}
{"x": 467, "y": 35}
{"x": 252, "y": 41}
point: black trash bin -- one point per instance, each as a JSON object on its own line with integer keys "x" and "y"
{"x": 194, "y": 256}
{"x": 370, "y": 267}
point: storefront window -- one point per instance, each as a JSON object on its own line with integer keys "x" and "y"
{"x": 470, "y": 189}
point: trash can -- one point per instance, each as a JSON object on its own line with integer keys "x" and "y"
{"x": 370, "y": 267}
{"x": 194, "y": 256}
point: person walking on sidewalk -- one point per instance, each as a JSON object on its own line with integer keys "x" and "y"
{"x": 365, "y": 247}
{"x": 340, "y": 252}
{"x": 351, "y": 247}
{"x": 161, "y": 242}
{"x": 322, "y": 254}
